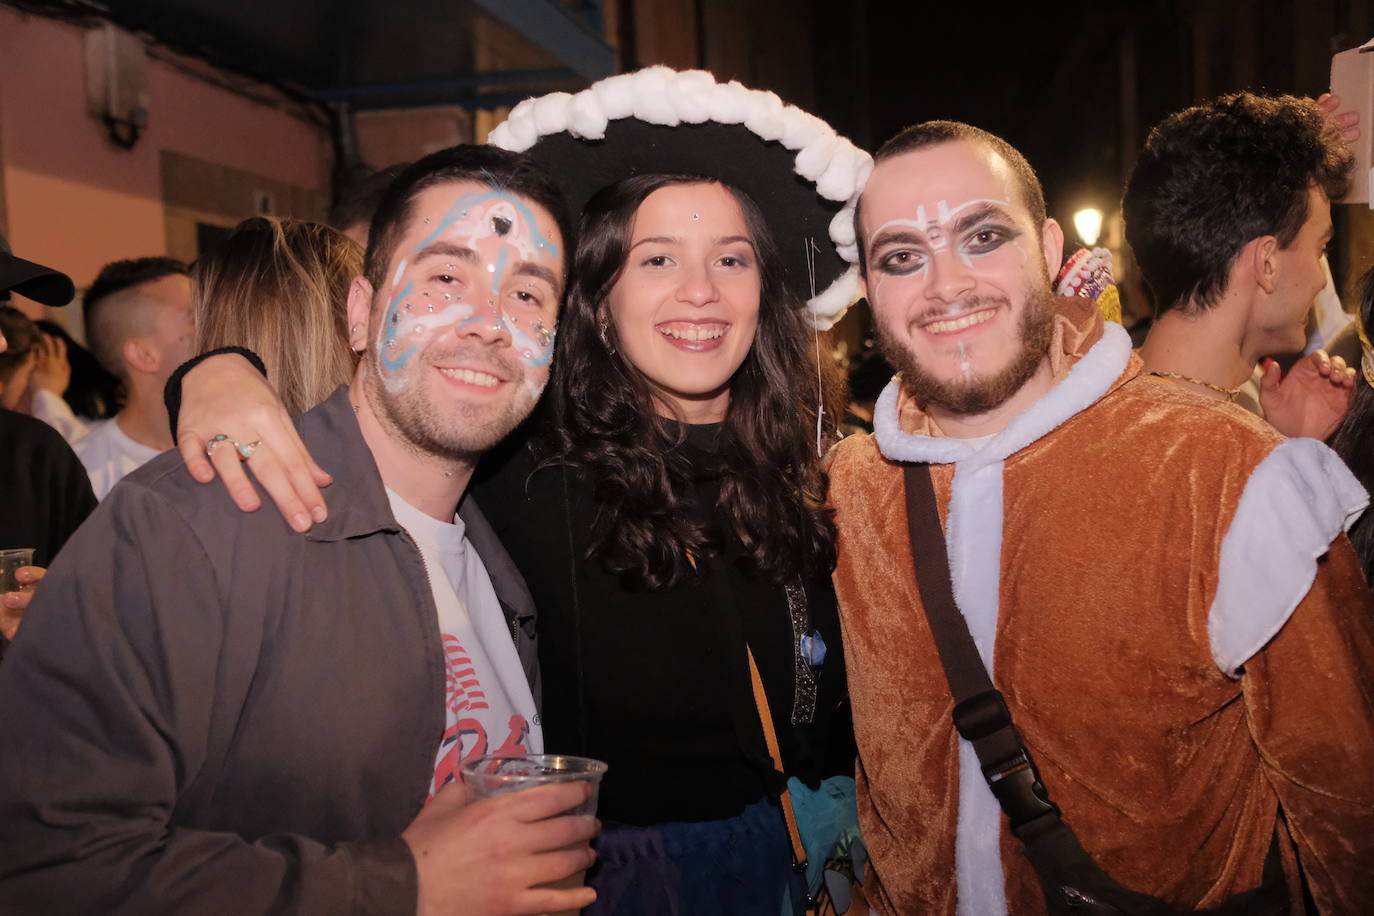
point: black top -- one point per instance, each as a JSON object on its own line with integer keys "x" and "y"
{"x": 45, "y": 493}
{"x": 656, "y": 683}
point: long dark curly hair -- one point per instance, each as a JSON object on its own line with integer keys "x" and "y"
{"x": 1353, "y": 440}
{"x": 605, "y": 421}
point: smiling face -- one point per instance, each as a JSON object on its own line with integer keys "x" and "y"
{"x": 957, "y": 275}
{"x": 686, "y": 303}
{"x": 460, "y": 338}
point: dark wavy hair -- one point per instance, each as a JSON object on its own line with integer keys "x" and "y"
{"x": 1214, "y": 177}
{"x": 605, "y": 421}
{"x": 1353, "y": 440}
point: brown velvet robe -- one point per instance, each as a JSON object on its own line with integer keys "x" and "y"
{"x": 1171, "y": 773}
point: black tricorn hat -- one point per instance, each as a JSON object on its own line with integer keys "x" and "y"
{"x": 39, "y": 283}
{"x": 804, "y": 177}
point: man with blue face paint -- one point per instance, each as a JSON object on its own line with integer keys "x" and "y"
{"x": 255, "y": 721}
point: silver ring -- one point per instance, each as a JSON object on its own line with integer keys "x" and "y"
{"x": 215, "y": 440}
{"x": 247, "y": 449}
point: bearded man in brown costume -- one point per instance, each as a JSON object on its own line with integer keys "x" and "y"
{"x": 1158, "y": 583}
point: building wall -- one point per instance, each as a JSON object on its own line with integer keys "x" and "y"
{"x": 75, "y": 200}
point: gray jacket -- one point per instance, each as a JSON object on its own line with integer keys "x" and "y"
{"x": 208, "y": 713}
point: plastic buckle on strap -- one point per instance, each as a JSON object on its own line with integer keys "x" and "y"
{"x": 981, "y": 715}
{"x": 1016, "y": 783}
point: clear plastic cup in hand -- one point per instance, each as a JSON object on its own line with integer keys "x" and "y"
{"x": 498, "y": 774}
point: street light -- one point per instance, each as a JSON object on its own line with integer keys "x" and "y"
{"x": 1088, "y": 222}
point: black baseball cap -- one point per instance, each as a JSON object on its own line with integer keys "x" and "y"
{"x": 39, "y": 283}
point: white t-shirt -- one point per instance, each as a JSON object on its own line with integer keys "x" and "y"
{"x": 52, "y": 409}
{"x": 488, "y": 707}
{"x": 109, "y": 454}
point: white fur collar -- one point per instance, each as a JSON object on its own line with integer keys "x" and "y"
{"x": 1085, "y": 384}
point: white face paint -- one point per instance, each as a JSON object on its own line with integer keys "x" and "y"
{"x": 946, "y": 224}
{"x": 492, "y": 253}
{"x": 954, "y": 265}
{"x": 463, "y": 334}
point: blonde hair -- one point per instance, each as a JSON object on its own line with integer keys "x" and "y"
{"x": 280, "y": 288}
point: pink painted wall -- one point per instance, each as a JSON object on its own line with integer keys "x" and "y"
{"x": 75, "y": 200}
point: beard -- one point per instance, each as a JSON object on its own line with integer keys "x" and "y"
{"x": 973, "y": 394}
{"x": 454, "y": 432}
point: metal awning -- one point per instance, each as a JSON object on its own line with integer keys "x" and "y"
{"x": 375, "y": 54}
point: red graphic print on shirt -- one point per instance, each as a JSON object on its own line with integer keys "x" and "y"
{"x": 467, "y": 718}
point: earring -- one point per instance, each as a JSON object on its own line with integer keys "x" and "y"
{"x": 603, "y": 330}
{"x": 352, "y": 332}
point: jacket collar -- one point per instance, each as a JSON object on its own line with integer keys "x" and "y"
{"x": 1090, "y": 357}
{"x": 358, "y": 504}
{"x": 356, "y": 500}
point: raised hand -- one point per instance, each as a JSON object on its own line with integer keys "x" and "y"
{"x": 1311, "y": 399}
{"x": 1347, "y": 121}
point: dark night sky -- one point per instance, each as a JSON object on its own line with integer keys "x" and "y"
{"x": 1047, "y": 81}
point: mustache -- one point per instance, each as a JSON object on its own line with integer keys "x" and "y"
{"x": 962, "y": 307}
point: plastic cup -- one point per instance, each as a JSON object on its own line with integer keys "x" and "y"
{"x": 10, "y": 561}
{"x": 499, "y": 774}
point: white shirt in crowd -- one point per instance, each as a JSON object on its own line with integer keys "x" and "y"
{"x": 109, "y": 454}
{"x": 489, "y": 708}
{"x": 52, "y": 409}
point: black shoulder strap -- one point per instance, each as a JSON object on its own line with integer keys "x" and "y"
{"x": 1071, "y": 880}
{"x": 980, "y": 713}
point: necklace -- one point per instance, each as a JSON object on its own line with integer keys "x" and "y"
{"x": 1229, "y": 393}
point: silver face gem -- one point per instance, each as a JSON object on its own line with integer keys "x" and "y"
{"x": 696, "y": 216}
{"x": 527, "y": 354}
{"x": 500, "y": 225}
{"x": 430, "y": 306}
{"x": 391, "y": 344}
{"x": 542, "y": 333}
{"x": 408, "y": 309}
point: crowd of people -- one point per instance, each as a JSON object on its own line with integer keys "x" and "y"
{"x": 1070, "y": 630}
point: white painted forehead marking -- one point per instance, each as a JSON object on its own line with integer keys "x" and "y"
{"x": 400, "y": 269}
{"x": 936, "y": 230}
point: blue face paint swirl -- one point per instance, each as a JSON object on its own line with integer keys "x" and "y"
{"x": 390, "y": 323}
{"x": 475, "y": 199}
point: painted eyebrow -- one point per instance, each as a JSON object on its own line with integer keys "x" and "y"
{"x": 448, "y": 250}
{"x": 970, "y": 219}
{"x": 896, "y": 237}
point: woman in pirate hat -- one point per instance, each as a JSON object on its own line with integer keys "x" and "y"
{"x": 665, "y": 511}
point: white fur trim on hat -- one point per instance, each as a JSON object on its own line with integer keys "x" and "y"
{"x": 663, "y": 96}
